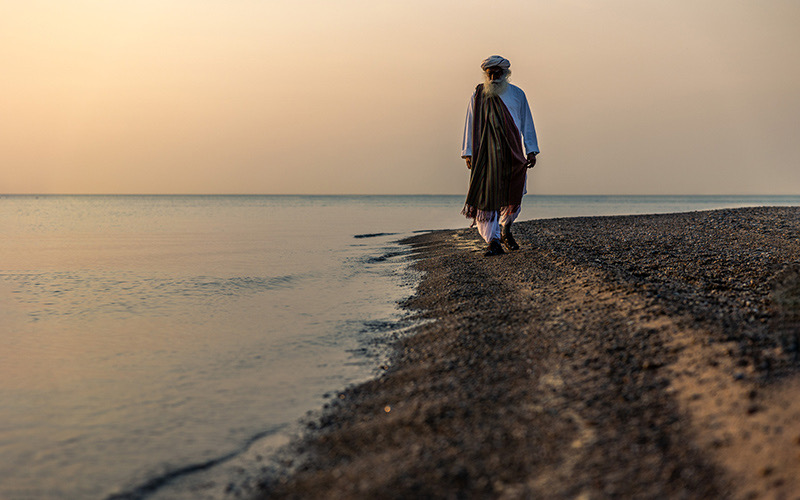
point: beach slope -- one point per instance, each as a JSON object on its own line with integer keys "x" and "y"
{"x": 626, "y": 357}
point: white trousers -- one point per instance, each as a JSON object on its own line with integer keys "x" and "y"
{"x": 491, "y": 230}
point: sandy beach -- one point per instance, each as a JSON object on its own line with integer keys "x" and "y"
{"x": 610, "y": 357}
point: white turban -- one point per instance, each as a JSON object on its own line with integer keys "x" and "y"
{"x": 495, "y": 61}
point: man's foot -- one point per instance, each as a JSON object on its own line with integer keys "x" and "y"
{"x": 508, "y": 239}
{"x": 494, "y": 249}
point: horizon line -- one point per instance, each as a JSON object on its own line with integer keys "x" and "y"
{"x": 388, "y": 194}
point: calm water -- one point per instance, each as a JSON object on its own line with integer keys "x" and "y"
{"x": 146, "y": 338}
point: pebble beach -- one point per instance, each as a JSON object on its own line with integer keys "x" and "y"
{"x": 646, "y": 356}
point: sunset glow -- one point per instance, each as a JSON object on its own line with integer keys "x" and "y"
{"x": 369, "y": 97}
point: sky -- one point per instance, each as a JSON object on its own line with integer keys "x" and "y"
{"x": 369, "y": 96}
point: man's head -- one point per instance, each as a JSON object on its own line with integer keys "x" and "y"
{"x": 496, "y": 71}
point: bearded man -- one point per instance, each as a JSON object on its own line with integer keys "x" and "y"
{"x": 499, "y": 125}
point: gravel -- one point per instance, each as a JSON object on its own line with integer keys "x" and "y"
{"x": 610, "y": 357}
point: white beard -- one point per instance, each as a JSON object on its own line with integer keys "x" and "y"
{"x": 495, "y": 87}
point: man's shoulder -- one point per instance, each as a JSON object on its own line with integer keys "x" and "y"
{"x": 513, "y": 88}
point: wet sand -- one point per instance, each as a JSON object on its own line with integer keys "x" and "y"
{"x": 610, "y": 357}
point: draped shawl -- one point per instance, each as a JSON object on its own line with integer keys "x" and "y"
{"x": 497, "y": 177}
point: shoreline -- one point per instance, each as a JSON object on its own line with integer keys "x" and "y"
{"x": 624, "y": 356}
{"x": 236, "y": 474}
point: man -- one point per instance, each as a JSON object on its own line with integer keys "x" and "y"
{"x": 499, "y": 124}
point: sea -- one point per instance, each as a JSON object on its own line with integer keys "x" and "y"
{"x": 166, "y": 346}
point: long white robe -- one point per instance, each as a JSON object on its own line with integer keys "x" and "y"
{"x": 517, "y": 103}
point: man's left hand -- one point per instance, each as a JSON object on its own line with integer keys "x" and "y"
{"x": 531, "y": 160}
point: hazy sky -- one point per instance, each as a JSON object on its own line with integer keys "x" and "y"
{"x": 369, "y": 96}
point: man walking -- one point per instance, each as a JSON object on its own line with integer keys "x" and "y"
{"x": 499, "y": 125}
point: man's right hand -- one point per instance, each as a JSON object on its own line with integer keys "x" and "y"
{"x": 468, "y": 159}
{"x": 531, "y": 161}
